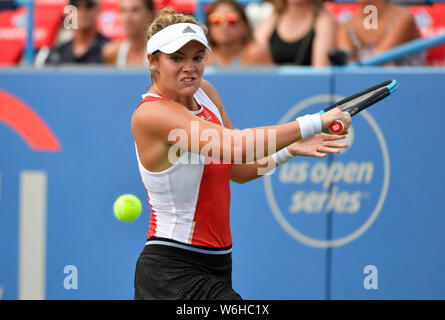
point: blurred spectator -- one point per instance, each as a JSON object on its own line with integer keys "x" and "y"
{"x": 393, "y": 26}
{"x": 258, "y": 11}
{"x": 298, "y": 32}
{"x": 86, "y": 44}
{"x": 230, "y": 36}
{"x": 8, "y": 5}
{"x": 136, "y": 16}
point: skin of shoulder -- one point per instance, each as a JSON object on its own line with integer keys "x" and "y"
{"x": 155, "y": 120}
{"x": 342, "y": 38}
{"x": 157, "y": 125}
{"x": 325, "y": 30}
{"x": 264, "y": 30}
{"x": 213, "y": 95}
{"x": 325, "y": 19}
{"x": 255, "y": 54}
{"x": 407, "y": 21}
{"x": 110, "y": 51}
{"x": 404, "y": 29}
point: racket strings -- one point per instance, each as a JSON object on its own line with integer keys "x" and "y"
{"x": 361, "y": 99}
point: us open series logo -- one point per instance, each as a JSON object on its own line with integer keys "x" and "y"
{"x": 352, "y": 187}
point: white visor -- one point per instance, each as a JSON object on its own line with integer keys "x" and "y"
{"x": 174, "y": 37}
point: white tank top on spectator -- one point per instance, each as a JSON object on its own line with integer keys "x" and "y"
{"x": 122, "y": 55}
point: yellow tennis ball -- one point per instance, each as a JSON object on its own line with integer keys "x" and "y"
{"x": 127, "y": 207}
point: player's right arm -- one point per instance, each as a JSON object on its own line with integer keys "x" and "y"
{"x": 159, "y": 125}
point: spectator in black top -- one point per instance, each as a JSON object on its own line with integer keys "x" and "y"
{"x": 298, "y": 32}
{"x": 86, "y": 44}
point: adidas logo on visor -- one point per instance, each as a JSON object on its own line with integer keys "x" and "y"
{"x": 188, "y": 29}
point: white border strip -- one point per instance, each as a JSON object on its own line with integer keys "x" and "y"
{"x": 32, "y": 235}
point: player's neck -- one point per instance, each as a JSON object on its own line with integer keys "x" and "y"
{"x": 187, "y": 101}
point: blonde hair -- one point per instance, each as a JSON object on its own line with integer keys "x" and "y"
{"x": 167, "y": 17}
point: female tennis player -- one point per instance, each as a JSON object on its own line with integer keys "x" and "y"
{"x": 187, "y": 152}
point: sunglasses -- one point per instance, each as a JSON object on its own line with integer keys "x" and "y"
{"x": 215, "y": 18}
{"x": 87, "y": 3}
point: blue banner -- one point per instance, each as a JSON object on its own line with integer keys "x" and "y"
{"x": 364, "y": 224}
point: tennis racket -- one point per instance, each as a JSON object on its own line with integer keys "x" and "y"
{"x": 360, "y": 101}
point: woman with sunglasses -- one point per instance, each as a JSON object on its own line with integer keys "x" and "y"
{"x": 230, "y": 36}
{"x": 298, "y": 32}
{"x": 136, "y": 16}
{"x": 188, "y": 151}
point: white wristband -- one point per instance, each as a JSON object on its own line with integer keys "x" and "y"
{"x": 282, "y": 156}
{"x": 310, "y": 124}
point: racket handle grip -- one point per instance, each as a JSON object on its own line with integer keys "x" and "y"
{"x": 336, "y": 127}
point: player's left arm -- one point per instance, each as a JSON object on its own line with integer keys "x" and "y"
{"x": 242, "y": 172}
{"x": 315, "y": 146}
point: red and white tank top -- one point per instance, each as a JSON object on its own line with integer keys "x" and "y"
{"x": 190, "y": 201}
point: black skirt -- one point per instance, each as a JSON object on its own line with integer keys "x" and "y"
{"x": 168, "y": 273}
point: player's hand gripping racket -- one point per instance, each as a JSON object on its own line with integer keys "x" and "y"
{"x": 360, "y": 101}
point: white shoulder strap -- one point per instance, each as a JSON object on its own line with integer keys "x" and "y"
{"x": 203, "y": 99}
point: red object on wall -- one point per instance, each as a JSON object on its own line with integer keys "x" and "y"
{"x": 22, "y": 119}
{"x": 431, "y": 21}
